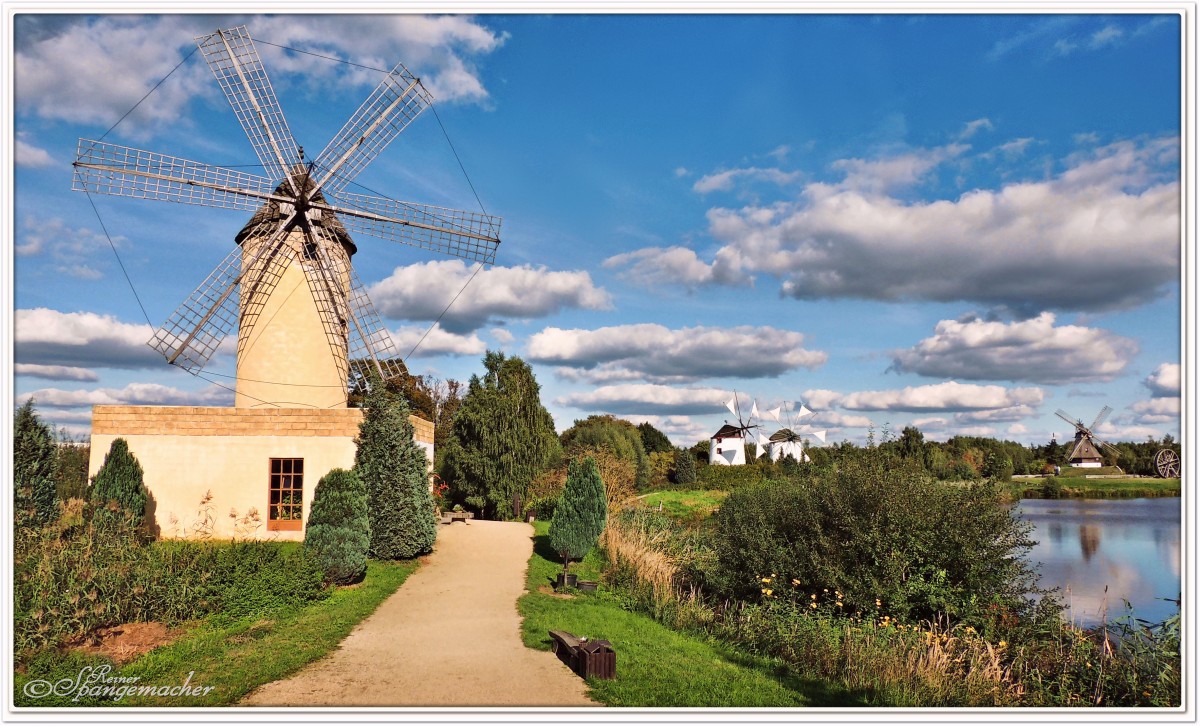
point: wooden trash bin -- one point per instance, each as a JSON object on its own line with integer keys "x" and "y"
{"x": 585, "y": 657}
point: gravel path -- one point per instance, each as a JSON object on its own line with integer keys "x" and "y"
{"x": 450, "y": 636}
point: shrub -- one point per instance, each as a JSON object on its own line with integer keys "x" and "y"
{"x": 581, "y": 512}
{"x": 338, "y": 533}
{"x": 393, "y": 468}
{"x": 685, "y": 468}
{"x": 118, "y": 490}
{"x": 35, "y": 500}
{"x": 731, "y": 477}
{"x": 878, "y": 531}
{"x": 1052, "y": 488}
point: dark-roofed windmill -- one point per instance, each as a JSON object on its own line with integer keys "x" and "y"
{"x": 1085, "y": 453}
{"x": 728, "y": 445}
{"x": 307, "y": 348}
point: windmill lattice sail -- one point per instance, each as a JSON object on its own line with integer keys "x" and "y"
{"x": 298, "y": 237}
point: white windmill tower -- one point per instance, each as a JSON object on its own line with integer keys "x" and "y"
{"x": 306, "y": 329}
{"x": 789, "y": 440}
{"x": 727, "y": 446}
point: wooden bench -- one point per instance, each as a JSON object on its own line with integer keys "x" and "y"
{"x": 451, "y": 517}
{"x": 585, "y": 657}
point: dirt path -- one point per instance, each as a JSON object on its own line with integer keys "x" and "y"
{"x": 450, "y": 635}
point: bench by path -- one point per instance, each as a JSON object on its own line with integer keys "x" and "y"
{"x": 450, "y": 636}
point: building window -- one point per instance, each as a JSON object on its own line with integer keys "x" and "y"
{"x": 286, "y": 495}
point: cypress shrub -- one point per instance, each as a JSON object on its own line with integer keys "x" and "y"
{"x": 685, "y": 467}
{"x": 35, "y": 502}
{"x": 393, "y": 468}
{"x": 338, "y": 533}
{"x": 119, "y": 481}
{"x": 581, "y": 512}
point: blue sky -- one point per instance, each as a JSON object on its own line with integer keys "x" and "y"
{"x": 962, "y": 222}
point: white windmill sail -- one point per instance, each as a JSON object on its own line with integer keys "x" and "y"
{"x": 731, "y": 405}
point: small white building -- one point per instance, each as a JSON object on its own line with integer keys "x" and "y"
{"x": 727, "y": 447}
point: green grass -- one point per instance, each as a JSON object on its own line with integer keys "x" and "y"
{"x": 235, "y": 656}
{"x": 689, "y": 506}
{"x": 1080, "y": 487}
{"x": 657, "y": 666}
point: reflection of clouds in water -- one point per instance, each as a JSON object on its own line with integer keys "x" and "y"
{"x": 1170, "y": 555}
{"x": 1086, "y": 597}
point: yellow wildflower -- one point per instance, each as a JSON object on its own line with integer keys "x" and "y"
{"x": 1003, "y": 644}
{"x": 769, "y": 592}
{"x": 814, "y": 596}
{"x": 878, "y": 604}
{"x": 839, "y": 603}
{"x": 812, "y": 604}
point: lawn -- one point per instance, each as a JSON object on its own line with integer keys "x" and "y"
{"x": 233, "y": 656}
{"x": 689, "y": 506}
{"x": 656, "y": 666}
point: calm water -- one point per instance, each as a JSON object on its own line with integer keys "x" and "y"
{"x": 1130, "y": 545}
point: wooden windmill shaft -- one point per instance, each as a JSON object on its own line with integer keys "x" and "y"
{"x": 307, "y": 329}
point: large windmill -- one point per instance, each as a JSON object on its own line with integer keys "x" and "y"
{"x": 728, "y": 445}
{"x": 306, "y": 329}
{"x": 1086, "y": 454}
{"x": 789, "y": 439}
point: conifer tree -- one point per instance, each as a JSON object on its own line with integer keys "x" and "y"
{"x": 119, "y": 480}
{"x": 581, "y": 512}
{"x": 33, "y": 468}
{"x": 338, "y": 532}
{"x": 685, "y": 467}
{"x": 393, "y": 468}
{"x": 503, "y": 438}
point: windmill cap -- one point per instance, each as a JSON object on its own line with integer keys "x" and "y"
{"x": 270, "y": 212}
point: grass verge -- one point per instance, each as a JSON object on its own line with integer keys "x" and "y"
{"x": 656, "y": 666}
{"x": 688, "y": 506}
{"x": 233, "y": 656}
{"x": 1080, "y": 487}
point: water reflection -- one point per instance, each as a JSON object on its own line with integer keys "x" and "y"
{"x": 1102, "y": 552}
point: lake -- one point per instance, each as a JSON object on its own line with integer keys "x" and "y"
{"x": 1130, "y": 545}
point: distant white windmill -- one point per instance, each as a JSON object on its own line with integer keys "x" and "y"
{"x": 727, "y": 446}
{"x": 788, "y": 440}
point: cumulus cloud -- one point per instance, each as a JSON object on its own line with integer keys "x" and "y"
{"x": 820, "y": 398}
{"x": 948, "y": 396}
{"x": 681, "y": 430}
{"x": 72, "y": 250}
{"x": 1057, "y": 243}
{"x": 1156, "y": 411}
{"x": 1164, "y": 381}
{"x": 1033, "y": 350}
{"x": 55, "y": 373}
{"x": 422, "y": 291}
{"x": 436, "y": 342}
{"x": 724, "y": 180}
{"x": 659, "y": 266}
{"x": 142, "y": 394}
{"x": 647, "y": 398}
{"x": 92, "y": 69}
{"x": 45, "y": 337}
{"x": 659, "y": 354}
{"x": 1008, "y": 413}
{"x": 29, "y": 155}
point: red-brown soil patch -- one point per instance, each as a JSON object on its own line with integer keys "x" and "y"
{"x": 123, "y": 643}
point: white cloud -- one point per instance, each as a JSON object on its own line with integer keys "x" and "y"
{"x": 1108, "y": 35}
{"x": 422, "y": 291}
{"x": 502, "y": 336}
{"x": 1007, "y": 413}
{"x": 1157, "y": 411}
{"x": 1057, "y": 243}
{"x": 724, "y": 180}
{"x": 820, "y": 399}
{"x": 879, "y": 176}
{"x": 647, "y": 398}
{"x": 29, "y": 155}
{"x": 73, "y": 250}
{"x": 948, "y": 396}
{"x": 1018, "y": 429}
{"x": 681, "y": 430}
{"x": 92, "y": 69}
{"x": 1033, "y": 350}
{"x": 974, "y": 127}
{"x": 436, "y": 342}
{"x": 1164, "y": 381}
{"x": 680, "y": 172}
{"x": 45, "y": 337}
{"x": 55, "y": 373}
{"x": 656, "y": 353}
{"x": 151, "y": 394}
{"x": 1016, "y": 147}
{"x": 658, "y": 266}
